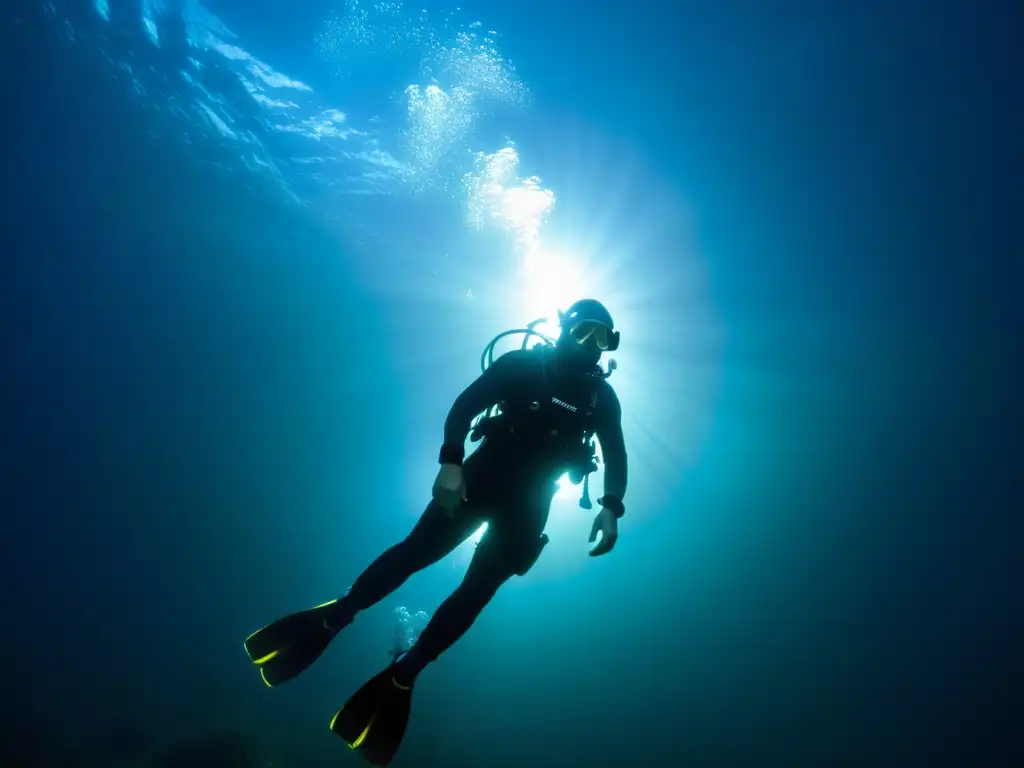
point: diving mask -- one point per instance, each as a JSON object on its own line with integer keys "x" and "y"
{"x": 604, "y": 338}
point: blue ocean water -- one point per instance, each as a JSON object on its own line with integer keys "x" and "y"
{"x": 253, "y": 250}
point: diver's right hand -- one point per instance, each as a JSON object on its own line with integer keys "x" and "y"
{"x": 450, "y": 488}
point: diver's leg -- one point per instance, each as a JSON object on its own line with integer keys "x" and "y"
{"x": 433, "y": 537}
{"x": 494, "y": 561}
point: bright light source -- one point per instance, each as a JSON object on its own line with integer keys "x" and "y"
{"x": 549, "y": 282}
{"x": 475, "y": 538}
{"x": 566, "y": 488}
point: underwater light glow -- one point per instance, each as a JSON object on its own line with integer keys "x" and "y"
{"x": 475, "y": 538}
{"x": 549, "y": 282}
{"x": 566, "y": 487}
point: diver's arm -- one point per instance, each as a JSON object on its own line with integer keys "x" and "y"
{"x": 495, "y": 384}
{"x": 613, "y": 451}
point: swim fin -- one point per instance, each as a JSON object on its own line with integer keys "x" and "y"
{"x": 373, "y": 721}
{"x": 288, "y": 646}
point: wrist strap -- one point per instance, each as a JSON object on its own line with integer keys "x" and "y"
{"x": 451, "y": 454}
{"x": 614, "y": 503}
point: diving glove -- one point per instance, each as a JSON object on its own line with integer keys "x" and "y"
{"x": 449, "y": 488}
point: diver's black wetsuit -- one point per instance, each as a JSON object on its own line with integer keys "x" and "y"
{"x": 547, "y": 410}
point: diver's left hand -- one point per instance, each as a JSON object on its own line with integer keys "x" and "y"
{"x": 608, "y": 525}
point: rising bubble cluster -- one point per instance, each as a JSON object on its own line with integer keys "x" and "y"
{"x": 496, "y": 197}
{"x": 406, "y": 629}
{"x": 473, "y": 62}
{"x": 455, "y": 74}
{"x": 360, "y": 29}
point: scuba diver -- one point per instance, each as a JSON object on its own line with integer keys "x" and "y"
{"x": 537, "y": 410}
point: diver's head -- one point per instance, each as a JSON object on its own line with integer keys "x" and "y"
{"x": 587, "y": 331}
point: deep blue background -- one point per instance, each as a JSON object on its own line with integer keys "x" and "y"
{"x": 836, "y": 580}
